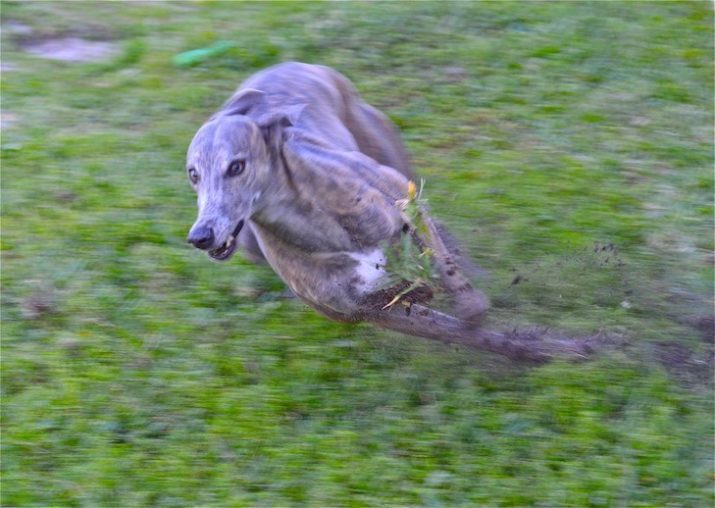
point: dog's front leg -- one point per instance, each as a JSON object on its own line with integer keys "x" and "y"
{"x": 425, "y": 322}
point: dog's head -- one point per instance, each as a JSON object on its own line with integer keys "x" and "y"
{"x": 229, "y": 167}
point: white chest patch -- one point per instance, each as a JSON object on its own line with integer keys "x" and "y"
{"x": 370, "y": 269}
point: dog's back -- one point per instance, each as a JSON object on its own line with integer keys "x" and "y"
{"x": 333, "y": 111}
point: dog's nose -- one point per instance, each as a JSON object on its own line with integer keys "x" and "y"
{"x": 201, "y": 237}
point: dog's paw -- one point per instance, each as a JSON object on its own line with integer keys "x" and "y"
{"x": 471, "y": 307}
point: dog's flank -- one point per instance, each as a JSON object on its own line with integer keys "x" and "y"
{"x": 298, "y": 170}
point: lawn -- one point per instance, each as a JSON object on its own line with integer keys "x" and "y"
{"x": 568, "y": 145}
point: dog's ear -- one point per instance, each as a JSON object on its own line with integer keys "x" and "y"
{"x": 263, "y": 114}
{"x": 243, "y": 101}
{"x": 286, "y": 116}
{"x": 272, "y": 121}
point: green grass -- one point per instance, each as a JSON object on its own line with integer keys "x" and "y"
{"x": 135, "y": 372}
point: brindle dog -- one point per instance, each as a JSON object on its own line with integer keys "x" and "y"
{"x": 298, "y": 170}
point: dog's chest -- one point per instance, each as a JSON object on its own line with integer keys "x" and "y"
{"x": 369, "y": 272}
{"x": 319, "y": 275}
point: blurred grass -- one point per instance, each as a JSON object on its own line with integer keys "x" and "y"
{"x": 135, "y": 372}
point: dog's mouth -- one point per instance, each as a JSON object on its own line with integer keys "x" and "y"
{"x": 226, "y": 250}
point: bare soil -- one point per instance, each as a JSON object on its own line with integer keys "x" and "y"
{"x": 685, "y": 364}
{"x": 70, "y": 49}
{"x": 421, "y": 294}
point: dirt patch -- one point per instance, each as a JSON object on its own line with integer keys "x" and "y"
{"x": 706, "y": 326}
{"x": 70, "y": 49}
{"x": 7, "y": 67}
{"x": 684, "y": 364}
{"x": 38, "y": 305}
{"x": 16, "y": 28}
{"x": 379, "y": 299}
{"x": 7, "y": 119}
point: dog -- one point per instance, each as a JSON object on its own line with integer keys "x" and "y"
{"x": 297, "y": 170}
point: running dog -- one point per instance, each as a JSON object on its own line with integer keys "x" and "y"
{"x": 297, "y": 170}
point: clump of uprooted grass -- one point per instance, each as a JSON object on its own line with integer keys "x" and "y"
{"x": 410, "y": 266}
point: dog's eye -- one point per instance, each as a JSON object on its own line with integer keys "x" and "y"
{"x": 193, "y": 175}
{"x": 236, "y": 167}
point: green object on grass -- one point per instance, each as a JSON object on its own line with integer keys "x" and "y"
{"x": 197, "y": 56}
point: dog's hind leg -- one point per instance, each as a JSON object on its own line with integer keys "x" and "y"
{"x": 469, "y": 267}
{"x": 470, "y": 305}
{"x": 377, "y": 137}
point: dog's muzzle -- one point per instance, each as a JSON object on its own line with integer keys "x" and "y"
{"x": 226, "y": 250}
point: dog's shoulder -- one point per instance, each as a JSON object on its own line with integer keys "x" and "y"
{"x": 314, "y": 162}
